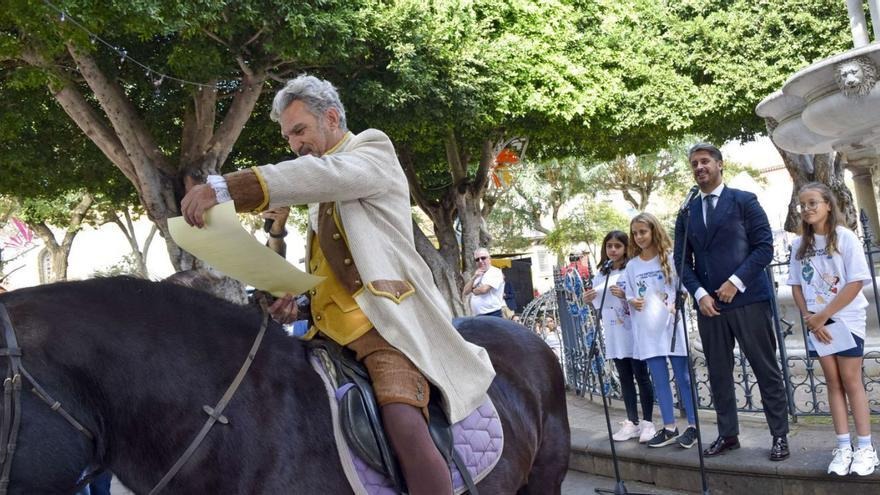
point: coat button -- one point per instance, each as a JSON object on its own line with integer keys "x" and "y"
{"x": 357, "y": 282}
{"x": 329, "y": 211}
{"x": 397, "y": 294}
{"x": 318, "y": 317}
{"x": 313, "y": 292}
{"x": 336, "y": 236}
{"x": 347, "y": 261}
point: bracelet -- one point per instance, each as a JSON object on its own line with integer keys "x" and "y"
{"x": 282, "y": 235}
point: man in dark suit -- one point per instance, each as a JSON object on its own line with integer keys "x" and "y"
{"x": 729, "y": 244}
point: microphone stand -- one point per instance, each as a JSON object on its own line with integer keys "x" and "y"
{"x": 619, "y": 487}
{"x": 679, "y": 310}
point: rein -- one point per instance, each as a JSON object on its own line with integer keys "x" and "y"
{"x": 215, "y": 413}
{"x": 11, "y": 423}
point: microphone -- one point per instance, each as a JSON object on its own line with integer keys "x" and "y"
{"x": 267, "y": 224}
{"x": 691, "y": 195}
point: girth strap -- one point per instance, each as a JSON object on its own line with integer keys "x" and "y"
{"x": 215, "y": 413}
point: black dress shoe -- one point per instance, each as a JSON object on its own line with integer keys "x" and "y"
{"x": 721, "y": 445}
{"x": 779, "y": 451}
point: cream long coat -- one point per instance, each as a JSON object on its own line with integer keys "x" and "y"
{"x": 365, "y": 180}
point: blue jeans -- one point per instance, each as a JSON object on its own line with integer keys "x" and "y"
{"x": 663, "y": 390}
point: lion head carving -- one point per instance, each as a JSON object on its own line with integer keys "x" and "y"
{"x": 856, "y": 76}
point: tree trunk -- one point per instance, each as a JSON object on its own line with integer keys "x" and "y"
{"x": 60, "y": 252}
{"x": 446, "y": 279}
{"x": 825, "y": 168}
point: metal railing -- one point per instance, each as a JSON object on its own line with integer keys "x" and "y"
{"x": 569, "y": 326}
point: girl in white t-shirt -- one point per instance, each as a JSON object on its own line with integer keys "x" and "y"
{"x": 826, "y": 273}
{"x": 650, "y": 290}
{"x": 619, "y": 339}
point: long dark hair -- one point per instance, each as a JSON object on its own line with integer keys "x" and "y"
{"x": 617, "y": 235}
{"x": 834, "y": 219}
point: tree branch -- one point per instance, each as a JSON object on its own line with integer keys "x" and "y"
{"x": 453, "y": 159}
{"x": 129, "y": 126}
{"x": 84, "y": 116}
{"x": 487, "y": 159}
{"x": 227, "y": 133}
{"x": 76, "y": 218}
{"x": 415, "y": 188}
{"x": 198, "y": 127}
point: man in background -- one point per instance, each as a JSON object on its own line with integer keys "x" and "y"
{"x": 486, "y": 287}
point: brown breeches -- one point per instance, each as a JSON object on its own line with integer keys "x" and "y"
{"x": 395, "y": 378}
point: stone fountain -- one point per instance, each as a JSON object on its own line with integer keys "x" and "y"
{"x": 834, "y": 105}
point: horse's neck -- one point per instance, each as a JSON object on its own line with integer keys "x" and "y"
{"x": 279, "y": 413}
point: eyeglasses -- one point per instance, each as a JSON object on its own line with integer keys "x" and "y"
{"x": 481, "y": 258}
{"x": 812, "y": 205}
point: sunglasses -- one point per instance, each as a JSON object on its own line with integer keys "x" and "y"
{"x": 481, "y": 258}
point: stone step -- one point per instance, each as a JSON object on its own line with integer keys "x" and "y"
{"x": 743, "y": 471}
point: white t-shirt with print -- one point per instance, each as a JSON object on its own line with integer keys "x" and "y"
{"x": 652, "y": 326}
{"x": 822, "y": 277}
{"x": 492, "y": 300}
{"x": 615, "y": 316}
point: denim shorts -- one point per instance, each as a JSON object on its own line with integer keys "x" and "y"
{"x": 857, "y": 351}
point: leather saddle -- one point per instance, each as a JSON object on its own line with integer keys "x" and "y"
{"x": 361, "y": 421}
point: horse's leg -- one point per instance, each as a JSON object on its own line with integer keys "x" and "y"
{"x": 551, "y": 463}
{"x": 551, "y": 460}
{"x": 529, "y": 393}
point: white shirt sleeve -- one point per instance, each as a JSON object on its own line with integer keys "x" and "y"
{"x": 854, "y": 263}
{"x": 737, "y": 283}
{"x": 630, "y": 284}
{"x": 794, "y": 265}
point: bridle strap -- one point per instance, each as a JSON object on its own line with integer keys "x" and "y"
{"x": 12, "y": 401}
{"x": 55, "y": 405}
{"x": 215, "y": 414}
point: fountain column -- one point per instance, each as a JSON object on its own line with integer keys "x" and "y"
{"x": 857, "y": 24}
{"x": 862, "y": 168}
{"x": 874, "y": 6}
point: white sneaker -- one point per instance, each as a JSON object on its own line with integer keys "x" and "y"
{"x": 864, "y": 461}
{"x": 840, "y": 464}
{"x": 647, "y": 430}
{"x": 627, "y": 431}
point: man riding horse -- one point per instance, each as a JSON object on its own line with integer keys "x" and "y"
{"x": 378, "y": 297}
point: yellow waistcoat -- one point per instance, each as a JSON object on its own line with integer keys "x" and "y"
{"x": 334, "y": 310}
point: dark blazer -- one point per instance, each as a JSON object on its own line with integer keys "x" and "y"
{"x": 738, "y": 241}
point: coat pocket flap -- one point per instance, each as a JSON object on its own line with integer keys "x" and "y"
{"x": 396, "y": 290}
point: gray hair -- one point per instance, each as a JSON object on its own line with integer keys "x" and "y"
{"x": 480, "y": 250}
{"x": 710, "y": 148}
{"x": 318, "y": 95}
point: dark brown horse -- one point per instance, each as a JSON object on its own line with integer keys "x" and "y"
{"x": 135, "y": 361}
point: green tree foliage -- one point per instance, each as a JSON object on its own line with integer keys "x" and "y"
{"x": 154, "y": 129}
{"x": 555, "y": 202}
{"x": 448, "y": 80}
